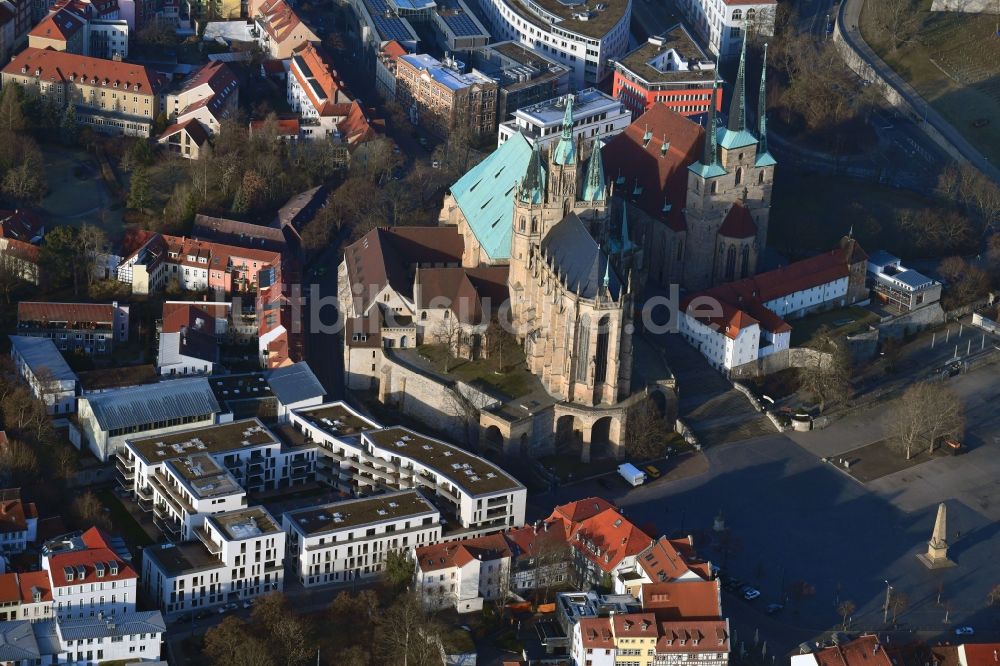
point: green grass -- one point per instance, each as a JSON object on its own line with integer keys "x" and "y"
{"x": 514, "y": 382}
{"x": 123, "y": 522}
{"x": 954, "y": 63}
{"x": 811, "y": 213}
{"x": 835, "y": 320}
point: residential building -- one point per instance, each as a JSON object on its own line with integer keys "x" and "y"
{"x": 665, "y": 560}
{"x": 596, "y": 116}
{"x": 740, "y": 322}
{"x": 350, "y": 540}
{"x": 83, "y": 641}
{"x": 88, "y": 577}
{"x": 524, "y": 76}
{"x": 385, "y": 69}
{"x": 635, "y": 636}
{"x": 899, "y": 288}
{"x": 316, "y": 93}
{"x": 237, "y": 556}
{"x": 208, "y": 96}
{"x": 78, "y": 27}
{"x": 541, "y": 557}
{"x": 110, "y": 96}
{"x": 457, "y": 29}
{"x": 463, "y": 574}
{"x": 680, "y": 642}
{"x": 87, "y": 328}
{"x": 867, "y": 650}
{"x": 583, "y": 38}
{"x": 106, "y": 420}
{"x": 443, "y": 100}
{"x": 592, "y": 642}
{"x": 725, "y": 24}
{"x": 670, "y": 69}
{"x": 187, "y": 138}
{"x": 473, "y": 494}
{"x": 270, "y": 395}
{"x": 18, "y": 522}
{"x": 189, "y": 342}
{"x": 279, "y": 29}
{"x": 46, "y": 372}
{"x": 572, "y": 607}
{"x": 234, "y": 232}
{"x": 26, "y": 596}
{"x": 20, "y": 259}
{"x": 182, "y": 477}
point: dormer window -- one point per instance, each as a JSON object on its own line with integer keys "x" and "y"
{"x": 81, "y": 572}
{"x": 38, "y": 72}
{"x": 115, "y": 85}
{"x": 99, "y": 569}
{"x": 36, "y": 595}
{"x": 24, "y": 69}
{"x": 68, "y": 572}
{"x": 113, "y": 567}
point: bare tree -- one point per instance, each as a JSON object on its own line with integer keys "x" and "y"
{"x": 89, "y": 511}
{"x": 18, "y": 464}
{"x": 450, "y": 334}
{"x": 993, "y": 598}
{"x": 895, "y": 21}
{"x": 646, "y": 431}
{"x": 898, "y": 604}
{"x": 407, "y": 635}
{"x": 828, "y": 375}
{"x": 964, "y": 282}
{"x": 500, "y": 344}
{"x": 846, "y": 610}
{"x": 924, "y": 414}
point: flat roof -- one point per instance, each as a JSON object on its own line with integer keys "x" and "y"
{"x": 204, "y": 477}
{"x": 585, "y": 103}
{"x": 469, "y": 472}
{"x": 246, "y": 523}
{"x": 207, "y": 439}
{"x": 596, "y": 26}
{"x": 450, "y": 78}
{"x": 178, "y": 558}
{"x": 240, "y": 387}
{"x": 337, "y": 419}
{"x": 359, "y": 512}
{"x": 648, "y": 60}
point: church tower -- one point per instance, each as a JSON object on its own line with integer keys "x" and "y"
{"x": 729, "y": 195}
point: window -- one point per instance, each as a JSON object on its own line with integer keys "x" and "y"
{"x": 737, "y": 15}
{"x": 739, "y": 175}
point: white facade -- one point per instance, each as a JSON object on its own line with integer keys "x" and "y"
{"x": 43, "y": 368}
{"x": 586, "y": 55}
{"x": 87, "y": 578}
{"x": 723, "y": 26}
{"x": 478, "y": 495}
{"x": 132, "y": 637}
{"x": 238, "y": 556}
{"x": 588, "y": 647}
{"x": 107, "y": 38}
{"x": 463, "y": 574}
{"x": 595, "y": 116}
{"x": 350, "y": 540}
{"x": 801, "y": 303}
{"x": 722, "y": 351}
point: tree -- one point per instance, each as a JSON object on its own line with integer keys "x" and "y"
{"x": 281, "y": 629}
{"x": 827, "y": 377}
{"x": 138, "y": 193}
{"x": 68, "y": 129}
{"x": 846, "y": 610}
{"x": 924, "y": 414}
{"x": 90, "y": 242}
{"x": 12, "y": 108}
{"x": 58, "y": 257}
{"x": 449, "y": 333}
{"x": 964, "y": 282}
{"x": 500, "y": 344}
{"x": 88, "y": 511}
{"x": 231, "y": 643}
{"x": 898, "y": 604}
{"x": 993, "y": 598}
{"x": 398, "y": 570}
{"x": 18, "y": 464}
{"x": 355, "y": 615}
{"x": 895, "y": 21}
{"x": 407, "y": 635}
{"x": 646, "y": 431}
{"x": 374, "y": 160}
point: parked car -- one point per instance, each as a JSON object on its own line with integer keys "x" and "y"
{"x": 954, "y": 446}
{"x": 750, "y": 593}
{"x": 964, "y": 631}
{"x": 775, "y": 608}
{"x": 652, "y": 471}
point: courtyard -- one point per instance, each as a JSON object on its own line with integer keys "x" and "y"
{"x": 77, "y": 195}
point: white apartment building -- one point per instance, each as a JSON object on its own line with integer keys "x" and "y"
{"x": 316, "y": 94}
{"x": 87, "y": 577}
{"x": 46, "y": 372}
{"x": 463, "y": 574}
{"x": 593, "y": 643}
{"x": 473, "y": 494}
{"x": 130, "y": 638}
{"x": 723, "y": 24}
{"x": 25, "y": 596}
{"x": 595, "y": 116}
{"x": 581, "y": 36}
{"x": 184, "y": 477}
{"x": 18, "y": 520}
{"x": 107, "y": 38}
{"x": 238, "y": 556}
{"x": 350, "y": 540}
{"x": 106, "y": 420}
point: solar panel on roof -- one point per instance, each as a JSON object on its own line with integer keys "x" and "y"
{"x": 303, "y": 67}
{"x": 462, "y": 25}
{"x": 317, "y": 88}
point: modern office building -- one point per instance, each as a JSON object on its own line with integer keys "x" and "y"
{"x": 524, "y": 76}
{"x": 724, "y": 24}
{"x": 595, "y": 116}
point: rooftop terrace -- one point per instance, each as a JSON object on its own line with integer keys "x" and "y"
{"x": 205, "y": 477}
{"x": 245, "y": 523}
{"x": 207, "y": 440}
{"x": 355, "y": 513}
{"x": 568, "y": 12}
{"x": 670, "y": 57}
{"x": 336, "y": 419}
{"x": 471, "y": 473}
{"x": 180, "y": 558}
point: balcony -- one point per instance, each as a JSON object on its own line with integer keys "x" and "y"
{"x": 171, "y": 494}
{"x": 204, "y": 537}
{"x": 170, "y": 528}
{"x": 255, "y": 465}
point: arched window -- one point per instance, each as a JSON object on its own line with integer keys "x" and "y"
{"x": 737, "y": 15}
{"x": 751, "y": 13}
{"x": 730, "y": 264}
{"x": 745, "y": 262}
{"x": 715, "y": 187}
{"x": 423, "y": 316}
{"x": 582, "y": 349}
{"x": 534, "y": 225}
{"x": 601, "y": 364}
{"x": 680, "y": 250}
{"x": 522, "y": 223}
{"x": 760, "y": 177}
{"x": 697, "y": 187}
{"x": 739, "y": 175}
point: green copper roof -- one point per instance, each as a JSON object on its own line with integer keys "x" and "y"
{"x": 533, "y": 185}
{"x": 765, "y": 159}
{"x": 729, "y": 139}
{"x": 565, "y": 150}
{"x": 594, "y": 183}
{"x": 707, "y": 170}
{"x": 486, "y": 195}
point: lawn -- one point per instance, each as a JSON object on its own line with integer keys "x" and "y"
{"x": 954, "y": 63}
{"x": 124, "y": 524}
{"x": 76, "y": 193}
{"x": 840, "y": 322}
{"x": 811, "y": 213}
{"x": 514, "y": 382}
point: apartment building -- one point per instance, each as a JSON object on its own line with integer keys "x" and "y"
{"x": 279, "y": 29}
{"x": 592, "y": 643}
{"x": 473, "y": 494}
{"x": 188, "y": 342}
{"x": 724, "y": 24}
{"x": 26, "y": 596}
{"x": 106, "y": 420}
{"x": 899, "y": 288}
{"x": 70, "y": 28}
{"x": 670, "y": 69}
{"x": 129, "y": 638}
{"x": 110, "y": 96}
{"x": 18, "y": 522}
{"x": 87, "y": 577}
{"x": 640, "y": 639}
{"x": 237, "y": 556}
{"x": 183, "y": 477}
{"x": 209, "y": 95}
{"x": 594, "y": 115}
{"x": 316, "y": 93}
{"x": 440, "y": 98}
{"x": 525, "y": 77}
{"x": 88, "y": 328}
{"x": 665, "y": 560}
{"x": 43, "y": 368}
{"x": 463, "y": 574}
{"x": 350, "y": 540}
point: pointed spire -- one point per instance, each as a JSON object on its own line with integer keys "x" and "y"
{"x": 939, "y": 536}
{"x": 593, "y": 186}
{"x": 737, "y": 107}
{"x": 533, "y": 183}
{"x": 565, "y": 150}
{"x": 607, "y": 271}
{"x": 708, "y": 156}
{"x": 626, "y": 243}
{"x": 567, "y": 123}
{"x": 762, "y": 107}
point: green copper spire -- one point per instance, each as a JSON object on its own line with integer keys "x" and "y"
{"x": 593, "y": 185}
{"x": 565, "y": 152}
{"x": 533, "y": 183}
{"x": 626, "y": 242}
{"x": 737, "y": 107}
{"x": 708, "y": 156}
{"x": 762, "y": 106}
{"x": 607, "y": 271}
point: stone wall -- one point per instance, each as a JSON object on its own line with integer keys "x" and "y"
{"x": 911, "y": 322}
{"x": 985, "y": 323}
{"x": 966, "y": 6}
{"x": 795, "y": 357}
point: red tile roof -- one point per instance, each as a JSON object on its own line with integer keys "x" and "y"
{"x": 393, "y": 49}
{"x": 597, "y": 531}
{"x": 358, "y": 127}
{"x": 34, "y": 579}
{"x": 60, "y": 66}
{"x": 72, "y": 314}
{"x": 459, "y": 553}
{"x": 61, "y": 24}
{"x": 683, "y": 600}
{"x": 738, "y": 223}
{"x": 634, "y": 625}
{"x": 285, "y": 126}
{"x": 582, "y": 509}
{"x": 661, "y": 175}
{"x": 97, "y": 551}
{"x": 192, "y": 126}
{"x": 667, "y": 559}
{"x": 21, "y": 250}
{"x": 14, "y": 513}
{"x": 981, "y": 654}
{"x": 864, "y": 651}
{"x": 325, "y": 77}
{"x": 693, "y": 636}
{"x": 10, "y": 593}
{"x": 279, "y": 19}
{"x": 189, "y": 317}
{"x": 595, "y": 633}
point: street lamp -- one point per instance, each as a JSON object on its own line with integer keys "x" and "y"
{"x": 888, "y": 598}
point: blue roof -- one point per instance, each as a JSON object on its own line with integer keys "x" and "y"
{"x": 295, "y": 383}
{"x": 729, "y": 139}
{"x": 486, "y": 195}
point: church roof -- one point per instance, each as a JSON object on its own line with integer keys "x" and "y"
{"x": 485, "y": 194}
{"x": 738, "y": 223}
{"x": 765, "y": 159}
{"x": 475, "y": 295}
{"x": 661, "y": 174}
{"x": 730, "y": 139}
{"x": 581, "y": 262}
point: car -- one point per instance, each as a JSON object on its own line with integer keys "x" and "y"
{"x": 435, "y": 164}
{"x": 652, "y": 471}
{"x": 750, "y": 593}
{"x": 964, "y": 631}
{"x": 954, "y": 446}
{"x": 248, "y": 603}
{"x": 775, "y": 608}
